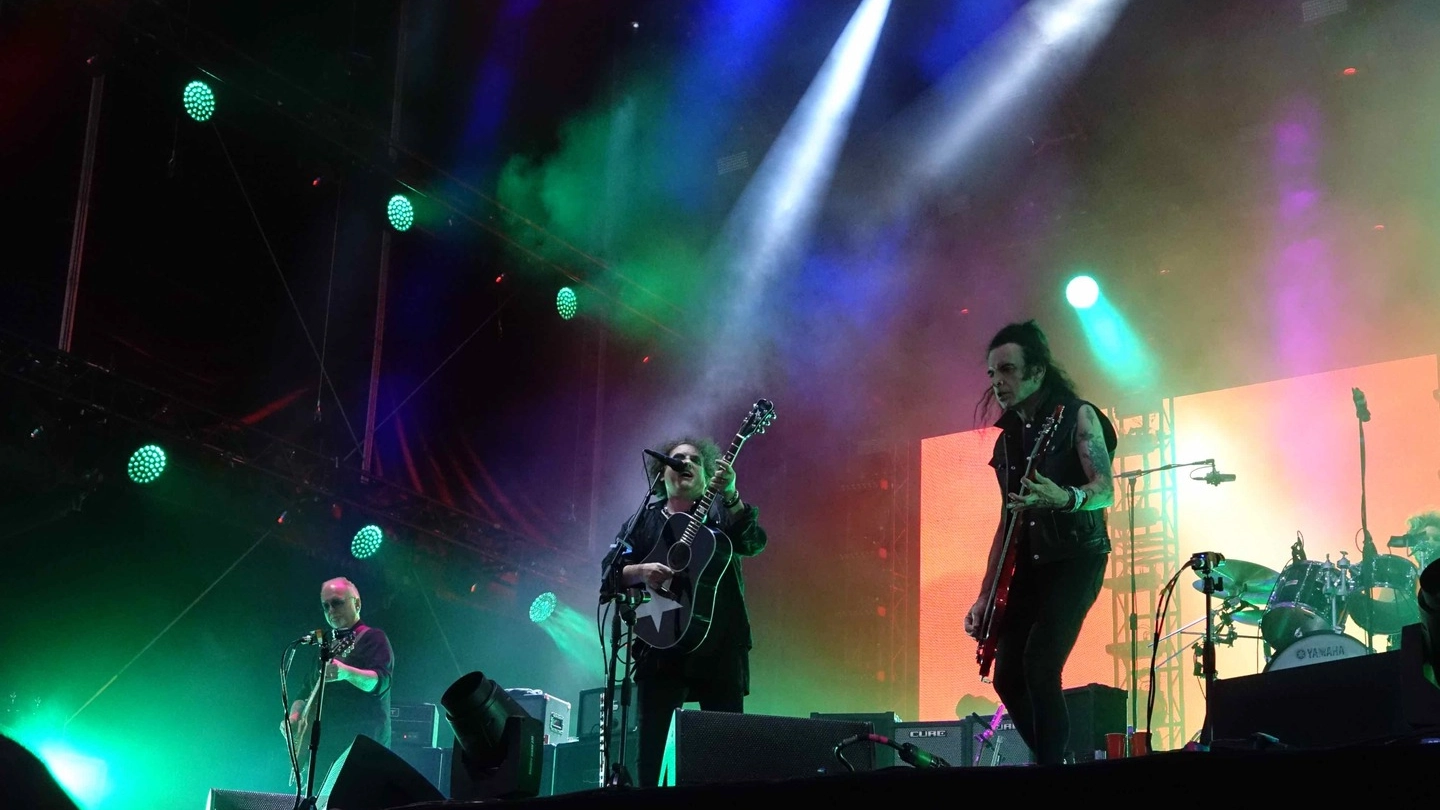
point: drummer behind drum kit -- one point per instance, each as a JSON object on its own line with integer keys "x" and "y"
{"x": 1301, "y": 610}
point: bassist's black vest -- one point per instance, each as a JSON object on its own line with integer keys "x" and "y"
{"x": 1048, "y": 535}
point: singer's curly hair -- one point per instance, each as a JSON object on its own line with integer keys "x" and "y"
{"x": 1422, "y": 521}
{"x": 709, "y": 451}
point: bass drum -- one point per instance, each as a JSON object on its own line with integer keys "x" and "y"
{"x": 1316, "y": 648}
{"x": 1384, "y": 595}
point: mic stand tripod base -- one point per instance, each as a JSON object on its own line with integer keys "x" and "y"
{"x": 612, "y": 769}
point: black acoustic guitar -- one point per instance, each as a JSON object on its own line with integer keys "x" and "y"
{"x": 677, "y": 615}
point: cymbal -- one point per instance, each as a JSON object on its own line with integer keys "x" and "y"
{"x": 1240, "y": 578}
{"x": 1248, "y": 615}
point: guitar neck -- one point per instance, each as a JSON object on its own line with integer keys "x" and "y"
{"x": 702, "y": 506}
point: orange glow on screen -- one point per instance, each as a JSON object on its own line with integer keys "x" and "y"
{"x": 1293, "y": 445}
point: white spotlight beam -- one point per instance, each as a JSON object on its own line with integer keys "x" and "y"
{"x": 1014, "y": 73}
{"x": 775, "y": 214}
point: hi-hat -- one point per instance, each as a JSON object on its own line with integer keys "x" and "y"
{"x": 1249, "y": 581}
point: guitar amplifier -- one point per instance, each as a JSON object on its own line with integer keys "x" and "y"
{"x": 951, "y": 740}
{"x": 587, "y": 716}
{"x": 552, "y": 712}
{"x": 414, "y": 724}
{"x": 1095, "y": 710}
{"x": 884, "y": 724}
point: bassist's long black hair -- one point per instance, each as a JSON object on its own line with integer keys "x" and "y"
{"x": 1036, "y": 348}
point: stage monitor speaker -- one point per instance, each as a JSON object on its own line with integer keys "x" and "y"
{"x": 369, "y": 776}
{"x": 715, "y": 747}
{"x": 883, "y": 723}
{"x": 248, "y": 800}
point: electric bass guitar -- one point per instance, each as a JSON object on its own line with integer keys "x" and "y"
{"x": 300, "y": 732}
{"x": 677, "y": 615}
{"x": 998, "y": 596}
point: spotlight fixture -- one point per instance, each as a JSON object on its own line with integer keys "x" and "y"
{"x": 366, "y": 542}
{"x": 199, "y": 100}
{"x": 400, "y": 212}
{"x": 566, "y": 303}
{"x": 146, "y": 464}
{"x": 542, "y": 607}
{"x": 498, "y": 745}
{"x": 1082, "y": 292}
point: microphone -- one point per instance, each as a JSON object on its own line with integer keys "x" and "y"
{"x": 1206, "y": 559}
{"x": 1362, "y": 410}
{"x": 673, "y": 463}
{"x": 1215, "y": 479}
{"x": 315, "y": 637}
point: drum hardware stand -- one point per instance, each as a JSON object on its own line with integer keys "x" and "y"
{"x": 1130, "y": 477}
{"x": 1204, "y": 562}
{"x": 1337, "y": 586}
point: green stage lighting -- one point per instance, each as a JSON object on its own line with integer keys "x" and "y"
{"x": 1082, "y": 292}
{"x": 567, "y": 303}
{"x": 199, "y": 100}
{"x": 367, "y": 542}
{"x": 542, "y": 607}
{"x": 146, "y": 464}
{"x": 400, "y": 212}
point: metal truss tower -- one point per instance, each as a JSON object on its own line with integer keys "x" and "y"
{"x": 1143, "y": 563}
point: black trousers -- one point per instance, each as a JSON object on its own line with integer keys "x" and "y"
{"x": 1047, "y": 607}
{"x": 717, "y": 683}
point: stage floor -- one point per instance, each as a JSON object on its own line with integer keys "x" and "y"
{"x": 1402, "y": 771}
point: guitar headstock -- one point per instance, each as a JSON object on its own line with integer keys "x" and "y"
{"x": 762, "y": 413}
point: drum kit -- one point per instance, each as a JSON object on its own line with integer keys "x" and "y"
{"x": 1302, "y": 609}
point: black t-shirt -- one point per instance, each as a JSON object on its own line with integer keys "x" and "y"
{"x": 347, "y": 710}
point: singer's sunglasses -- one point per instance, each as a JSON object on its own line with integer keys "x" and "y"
{"x": 334, "y": 603}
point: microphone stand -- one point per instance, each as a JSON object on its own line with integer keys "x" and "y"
{"x": 613, "y": 772}
{"x": 1368, "y": 551}
{"x": 1130, "y": 477}
{"x": 327, "y": 654}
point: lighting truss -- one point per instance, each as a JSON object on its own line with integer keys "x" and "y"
{"x": 180, "y": 423}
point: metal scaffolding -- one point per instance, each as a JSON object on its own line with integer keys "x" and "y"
{"x": 1141, "y": 563}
